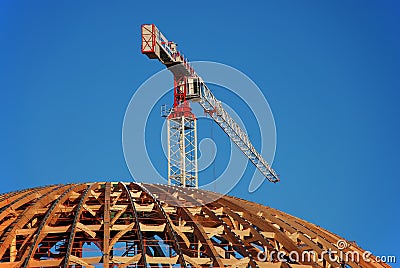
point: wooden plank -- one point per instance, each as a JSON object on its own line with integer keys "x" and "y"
{"x": 198, "y": 262}
{"x": 162, "y": 260}
{"x": 121, "y": 233}
{"x": 91, "y": 211}
{"x": 144, "y": 208}
{"x": 211, "y": 231}
{"x": 84, "y": 228}
{"x": 80, "y": 261}
{"x": 152, "y": 228}
{"x": 106, "y": 231}
{"x": 126, "y": 261}
{"x": 118, "y": 215}
{"x": 266, "y": 264}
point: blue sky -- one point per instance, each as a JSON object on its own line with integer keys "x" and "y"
{"x": 329, "y": 69}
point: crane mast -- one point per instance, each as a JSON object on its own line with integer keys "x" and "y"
{"x": 181, "y": 122}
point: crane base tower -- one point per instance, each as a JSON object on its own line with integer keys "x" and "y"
{"x": 182, "y": 147}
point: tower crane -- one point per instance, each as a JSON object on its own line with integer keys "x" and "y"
{"x": 181, "y": 122}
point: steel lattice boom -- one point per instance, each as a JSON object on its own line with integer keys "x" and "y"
{"x": 192, "y": 87}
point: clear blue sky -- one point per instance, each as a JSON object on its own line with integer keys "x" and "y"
{"x": 329, "y": 69}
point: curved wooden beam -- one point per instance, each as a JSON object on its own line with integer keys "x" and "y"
{"x": 170, "y": 229}
{"x": 26, "y": 216}
{"x": 198, "y": 229}
{"x": 201, "y": 228}
{"x": 78, "y": 214}
{"x": 51, "y": 211}
{"x": 142, "y": 260}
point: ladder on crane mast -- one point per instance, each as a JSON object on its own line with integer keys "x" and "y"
{"x": 181, "y": 122}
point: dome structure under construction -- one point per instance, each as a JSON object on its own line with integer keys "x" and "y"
{"x": 126, "y": 224}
